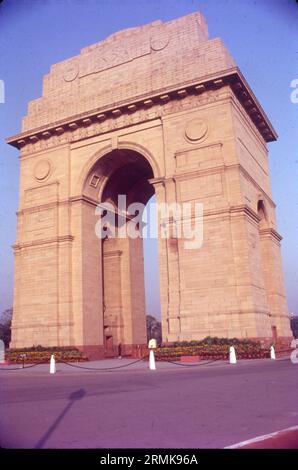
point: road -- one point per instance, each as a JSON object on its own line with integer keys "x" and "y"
{"x": 209, "y": 406}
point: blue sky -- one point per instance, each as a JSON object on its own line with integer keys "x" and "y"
{"x": 261, "y": 36}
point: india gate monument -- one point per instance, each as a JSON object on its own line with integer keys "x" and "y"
{"x": 160, "y": 110}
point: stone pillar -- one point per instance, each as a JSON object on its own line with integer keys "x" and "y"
{"x": 253, "y": 306}
{"x": 87, "y": 279}
{"x": 274, "y": 283}
{"x": 124, "y": 293}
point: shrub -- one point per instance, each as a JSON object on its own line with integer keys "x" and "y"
{"x": 212, "y": 348}
{"x": 43, "y": 354}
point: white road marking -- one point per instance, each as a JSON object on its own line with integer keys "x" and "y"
{"x": 261, "y": 438}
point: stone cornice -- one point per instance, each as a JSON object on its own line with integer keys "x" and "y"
{"x": 261, "y": 311}
{"x": 245, "y": 173}
{"x": 272, "y": 233}
{"x": 114, "y": 253}
{"x": 265, "y": 232}
{"x": 232, "y": 77}
{"x": 244, "y": 209}
{"x": 46, "y": 241}
{"x": 83, "y": 198}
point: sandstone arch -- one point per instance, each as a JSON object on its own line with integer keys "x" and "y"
{"x": 127, "y": 173}
{"x": 176, "y": 99}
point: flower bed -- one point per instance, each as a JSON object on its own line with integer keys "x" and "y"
{"x": 38, "y": 354}
{"x": 212, "y": 349}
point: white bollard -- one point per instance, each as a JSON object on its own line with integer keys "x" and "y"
{"x": 233, "y": 359}
{"x": 272, "y": 353}
{"x": 2, "y": 352}
{"x": 152, "y": 365}
{"x": 52, "y": 365}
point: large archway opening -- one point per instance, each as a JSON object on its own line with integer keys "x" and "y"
{"x": 151, "y": 270}
{"x": 119, "y": 183}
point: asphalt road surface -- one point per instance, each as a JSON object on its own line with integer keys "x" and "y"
{"x": 209, "y": 406}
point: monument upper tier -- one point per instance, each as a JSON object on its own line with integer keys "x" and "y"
{"x": 137, "y": 67}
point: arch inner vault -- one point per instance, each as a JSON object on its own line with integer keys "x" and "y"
{"x": 119, "y": 180}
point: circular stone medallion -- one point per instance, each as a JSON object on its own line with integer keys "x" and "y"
{"x": 71, "y": 72}
{"x": 42, "y": 170}
{"x": 196, "y": 129}
{"x": 159, "y": 41}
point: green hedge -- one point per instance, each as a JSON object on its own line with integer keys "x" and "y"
{"x": 213, "y": 348}
{"x": 43, "y": 354}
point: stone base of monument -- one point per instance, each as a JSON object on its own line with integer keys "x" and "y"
{"x": 190, "y": 358}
